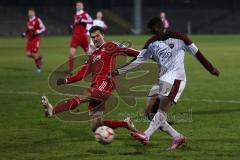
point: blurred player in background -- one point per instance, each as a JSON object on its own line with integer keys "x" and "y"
{"x": 168, "y": 50}
{"x": 79, "y": 37}
{"x": 164, "y": 20}
{"x": 35, "y": 28}
{"x": 97, "y": 22}
{"x": 99, "y": 64}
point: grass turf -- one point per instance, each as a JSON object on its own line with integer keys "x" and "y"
{"x": 209, "y": 106}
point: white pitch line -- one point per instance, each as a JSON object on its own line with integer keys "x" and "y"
{"x": 183, "y": 99}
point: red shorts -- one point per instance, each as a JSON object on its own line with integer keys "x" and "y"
{"x": 32, "y": 45}
{"x": 100, "y": 92}
{"x": 79, "y": 40}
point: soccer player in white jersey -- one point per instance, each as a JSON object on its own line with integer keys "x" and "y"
{"x": 168, "y": 50}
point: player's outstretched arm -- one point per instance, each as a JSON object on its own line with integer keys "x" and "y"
{"x": 206, "y": 63}
{"x": 192, "y": 49}
{"x": 130, "y": 51}
{"x": 131, "y": 65}
{"x": 23, "y": 34}
{"x": 77, "y": 77}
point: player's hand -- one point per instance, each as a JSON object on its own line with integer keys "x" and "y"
{"x": 61, "y": 81}
{"x": 215, "y": 72}
{"x": 79, "y": 21}
{"x": 23, "y": 35}
{"x": 70, "y": 29}
{"x": 35, "y": 33}
{"x": 113, "y": 73}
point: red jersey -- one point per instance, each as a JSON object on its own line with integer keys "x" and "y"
{"x": 80, "y": 27}
{"x": 35, "y": 27}
{"x": 101, "y": 62}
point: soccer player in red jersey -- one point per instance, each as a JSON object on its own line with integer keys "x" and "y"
{"x": 35, "y": 28}
{"x": 99, "y": 64}
{"x": 79, "y": 37}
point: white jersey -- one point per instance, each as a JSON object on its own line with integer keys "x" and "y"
{"x": 169, "y": 54}
{"x": 97, "y": 22}
{"x": 100, "y": 23}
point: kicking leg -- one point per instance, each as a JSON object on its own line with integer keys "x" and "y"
{"x": 63, "y": 106}
{"x": 96, "y": 109}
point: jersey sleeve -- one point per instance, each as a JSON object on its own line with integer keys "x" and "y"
{"x": 193, "y": 50}
{"x": 129, "y": 51}
{"x": 124, "y": 48}
{"x": 85, "y": 70}
{"x": 42, "y": 27}
{"x": 105, "y": 26}
{"x": 149, "y": 41}
{"x": 143, "y": 56}
{"x": 88, "y": 20}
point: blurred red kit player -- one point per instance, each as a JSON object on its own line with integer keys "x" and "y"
{"x": 35, "y": 28}
{"x": 79, "y": 37}
{"x": 99, "y": 64}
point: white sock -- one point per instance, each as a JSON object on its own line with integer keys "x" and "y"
{"x": 157, "y": 121}
{"x": 169, "y": 130}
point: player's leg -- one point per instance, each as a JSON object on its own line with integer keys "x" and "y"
{"x": 152, "y": 102}
{"x": 38, "y": 61}
{"x": 101, "y": 92}
{"x": 72, "y": 52}
{"x": 160, "y": 118}
{"x": 75, "y": 42}
{"x": 167, "y": 95}
{"x": 84, "y": 44}
{"x": 95, "y": 121}
{"x": 64, "y": 105}
{"x": 126, "y": 123}
{"x": 96, "y": 110}
{"x": 32, "y": 52}
{"x": 151, "y": 107}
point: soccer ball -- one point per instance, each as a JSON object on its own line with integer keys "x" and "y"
{"x": 104, "y": 135}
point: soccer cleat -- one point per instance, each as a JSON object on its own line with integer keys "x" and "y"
{"x": 38, "y": 70}
{"x": 48, "y": 107}
{"x": 130, "y": 124}
{"x": 141, "y": 137}
{"x": 177, "y": 142}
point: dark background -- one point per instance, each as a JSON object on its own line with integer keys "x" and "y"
{"x": 204, "y": 16}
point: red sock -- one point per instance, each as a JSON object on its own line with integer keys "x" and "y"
{"x": 66, "y": 105}
{"x": 115, "y": 124}
{"x": 71, "y": 63}
{"x": 38, "y": 62}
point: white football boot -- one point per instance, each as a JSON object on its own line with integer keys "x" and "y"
{"x": 47, "y": 106}
{"x": 130, "y": 124}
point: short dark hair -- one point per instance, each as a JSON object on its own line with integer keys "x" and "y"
{"x": 96, "y": 28}
{"x": 155, "y": 22}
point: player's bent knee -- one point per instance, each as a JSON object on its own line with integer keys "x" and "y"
{"x": 165, "y": 103}
{"x": 72, "y": 51}
{"x": 28, "y": 54}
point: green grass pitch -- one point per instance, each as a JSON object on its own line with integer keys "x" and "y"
{"x": 210, "y": 107}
